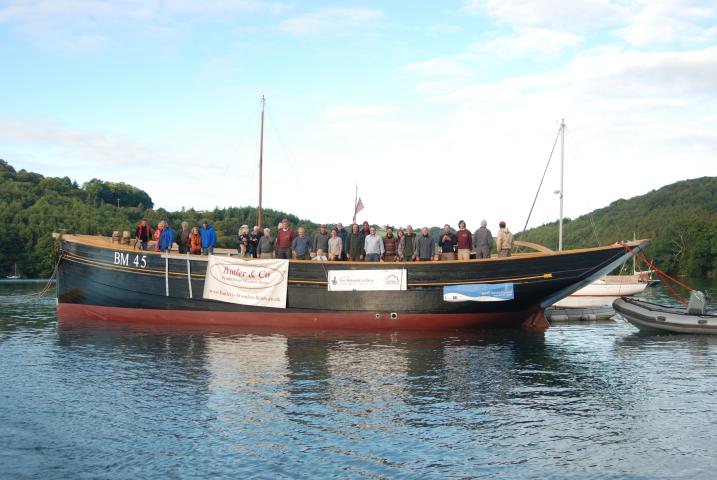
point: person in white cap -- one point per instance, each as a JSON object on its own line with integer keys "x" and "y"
{"x": 504, "y": 241}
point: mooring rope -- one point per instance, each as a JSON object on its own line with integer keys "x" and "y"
{"x": 19, "y": 299}
{"x": 663, "y": 275}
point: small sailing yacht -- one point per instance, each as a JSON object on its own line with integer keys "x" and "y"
{"x": 15, "y": 276}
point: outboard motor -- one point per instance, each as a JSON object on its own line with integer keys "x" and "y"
{"x": 696, "y": 305}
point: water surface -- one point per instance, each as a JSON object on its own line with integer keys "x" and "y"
{"x": 582, "y": 400}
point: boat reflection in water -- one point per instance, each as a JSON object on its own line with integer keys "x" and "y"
{"x": 380, "y": 404}
{"x": 343, "y": 370}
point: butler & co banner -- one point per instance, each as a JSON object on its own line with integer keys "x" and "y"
{"x": 258, "y": 282}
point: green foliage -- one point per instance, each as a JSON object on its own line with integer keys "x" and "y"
{"x": 100, "y": 192}
{"x": 34, "y": 206}
{"x": 681, "y": 220}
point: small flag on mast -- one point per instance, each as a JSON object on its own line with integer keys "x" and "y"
{"x": 357, "y": 208}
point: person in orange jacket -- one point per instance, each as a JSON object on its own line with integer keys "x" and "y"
{"x": 195, "y": 242}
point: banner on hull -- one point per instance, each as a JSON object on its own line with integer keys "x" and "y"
{"x": 478, "y": 292}
{"x": 261, "y": 283}
{"x": 366, "y": 280}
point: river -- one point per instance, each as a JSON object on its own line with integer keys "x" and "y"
{"x": 581, "y": 400}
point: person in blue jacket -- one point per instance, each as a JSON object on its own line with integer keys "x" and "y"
{"x": 209, "y": 238}
{"x": 166, "y": 238}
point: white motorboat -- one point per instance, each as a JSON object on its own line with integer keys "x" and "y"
{"x": 603, "y": 292}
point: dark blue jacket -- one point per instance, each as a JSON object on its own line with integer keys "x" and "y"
{"x": 301, "y": 245}
{"x": 447, "y": 246}
{"x": 209, "y": 237}
{"x": 166, "y": 239}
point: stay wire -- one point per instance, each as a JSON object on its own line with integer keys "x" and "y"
{"x": 571, "y": 139}
{"x": 522, "y": 234}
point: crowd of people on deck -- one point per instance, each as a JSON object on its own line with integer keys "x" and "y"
{"x": 361, "y": 244}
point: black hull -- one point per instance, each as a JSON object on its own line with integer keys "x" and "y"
{"x": 90, "y": 275}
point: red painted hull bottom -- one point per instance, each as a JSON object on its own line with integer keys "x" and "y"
{"x": 313, "y": 320}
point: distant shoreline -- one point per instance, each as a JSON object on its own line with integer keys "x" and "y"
{"x": 25, "y": 280}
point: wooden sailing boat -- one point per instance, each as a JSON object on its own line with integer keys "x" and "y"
{"x": 100, "y": 280}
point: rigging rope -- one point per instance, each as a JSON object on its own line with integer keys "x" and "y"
{"x": 522, "y": 234}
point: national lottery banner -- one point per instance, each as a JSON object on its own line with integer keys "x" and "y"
{"x": 479, "y": 292}
{"x": 350, "y": 280}
{"x": 260, "y": 283}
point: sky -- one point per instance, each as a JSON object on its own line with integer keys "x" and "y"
{"x": 437, "y": 111}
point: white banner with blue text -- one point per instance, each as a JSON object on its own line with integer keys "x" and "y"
{"x": 479, "y": 292}
{"x": 379, "y": 279}
{"x": 260, "y": 283}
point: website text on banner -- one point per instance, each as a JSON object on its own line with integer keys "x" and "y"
{"x": 260, "y": 283}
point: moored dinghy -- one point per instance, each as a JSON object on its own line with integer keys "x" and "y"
{"x": 652, "y": 317}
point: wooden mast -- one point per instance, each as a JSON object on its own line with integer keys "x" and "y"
{"x": 261, "y": 160}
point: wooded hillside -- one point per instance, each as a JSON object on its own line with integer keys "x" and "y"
{"x": 34, "y": 206}
{"x": 680, "y": 218}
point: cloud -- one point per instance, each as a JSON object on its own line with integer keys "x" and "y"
{"x": 626, "y": 109}
{"x": 576, "y": 15}
{"x": 78, "y": 144}
{"x": 643, "y": 23}
{"x": 670, "y": 22}
{"x": 90, "y": 11}
{"x": 77, "y": 25}
{"x": 332, "y": 20}
{"x": 535, "y": 44}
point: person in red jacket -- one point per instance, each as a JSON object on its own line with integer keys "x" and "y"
{"x": 464, "y": 241}
{"x": 144, "y": 233}
{"x": 284, "y": 237}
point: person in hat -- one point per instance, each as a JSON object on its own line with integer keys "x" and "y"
{"x": 365, "y": 229}
{"x": 504, "y": 241}
{"x": 483, "y": 240}
{"x": 243, "y": 241}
